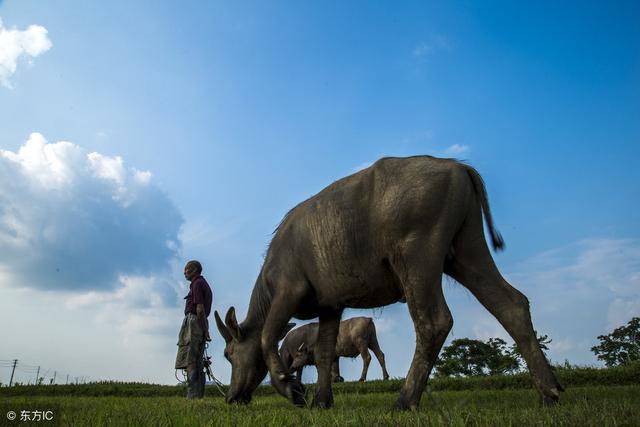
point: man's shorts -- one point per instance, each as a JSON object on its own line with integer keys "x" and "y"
{"x": 190, "y": 342}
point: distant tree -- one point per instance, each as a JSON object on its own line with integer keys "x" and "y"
{"x": 467, "y": 357}
{"x": 621, "y": 346}
{"x": 501, "y": 361}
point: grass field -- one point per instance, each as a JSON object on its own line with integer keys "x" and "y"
{"x": 488, "y": 401}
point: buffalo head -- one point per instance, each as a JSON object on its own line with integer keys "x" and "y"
{"x": 244, "y": 352}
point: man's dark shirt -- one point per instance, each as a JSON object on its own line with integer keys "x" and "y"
{"x": 199, "y": 293}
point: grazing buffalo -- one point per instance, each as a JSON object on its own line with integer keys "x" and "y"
{"x": 355, "y": 337}
{"x": 384, "y": 234}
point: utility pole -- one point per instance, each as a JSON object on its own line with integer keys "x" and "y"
{"x": 54, "y": 377}
{"x": 37, "y": 375}
{"x": 15, "y": 362}
{"x": 67, "y": 379}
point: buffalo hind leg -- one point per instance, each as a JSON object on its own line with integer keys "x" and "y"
{"x": 325, "y": 354}
{"x": 366, "y": 359}
{"x": 375, "y": 347}
{"x": 473, "y": 266}
{"x": 422, "y": 282}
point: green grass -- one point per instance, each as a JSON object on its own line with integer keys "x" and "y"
{"x": 594, "y": 397}
{"x": 581, "y": 406}
{"x": 573, "y": 377}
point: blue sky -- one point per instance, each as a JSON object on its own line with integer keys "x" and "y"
{"x": 189, "y": 129}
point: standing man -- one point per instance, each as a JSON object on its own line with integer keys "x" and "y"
{"x": 194, "y": 332}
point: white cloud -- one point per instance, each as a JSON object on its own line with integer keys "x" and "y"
{"x": 561, "y": 345}
{"x": 456, "y": 150}
{"x": 15, "y": 43}
{"x": 92, "y": 243}
{"x": 112, "y": 337}
{"x": 582, "y": 290}
{"x": 75, "y": 220}
{"x": 485, "y": 326}
{"x": 133, "y": 291}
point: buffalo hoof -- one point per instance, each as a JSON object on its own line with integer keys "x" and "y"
{"x": 238, "y": 400}
{"x": 338, "y": 379}
{"x": 295, "y": 394}
{"x": 323, "y": 402}
{"x": 403, "y": 405}
{"x": 551, "y": 399}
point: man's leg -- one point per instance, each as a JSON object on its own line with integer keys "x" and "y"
{"x": 195, "y": 371}
{"x": 200, "y": 369}
{"x": 195, "y": 367}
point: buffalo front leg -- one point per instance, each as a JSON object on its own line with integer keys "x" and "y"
{"x": 432, "y": 322}
{"x": 325, "y": 353}
{"x": 279, "y": 314}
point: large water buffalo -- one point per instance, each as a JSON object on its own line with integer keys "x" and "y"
{"x": 384, "y": 234}
{"x": 355, "y": 337}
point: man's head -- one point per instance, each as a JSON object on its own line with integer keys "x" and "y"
{"x": 192, "y": 270}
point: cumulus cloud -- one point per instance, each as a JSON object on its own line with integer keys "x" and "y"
{"x": 121, "y": 337}
{"x": 15, "y": 43}
{"x": 582, "y": 290}
{"x": 135, "y": 292}
{"x": 74, "y": 220}
{"x": 601, "y": 271}
{"x": 140, "y": 306}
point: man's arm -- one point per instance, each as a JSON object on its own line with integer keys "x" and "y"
{"x": 202, "y": 318}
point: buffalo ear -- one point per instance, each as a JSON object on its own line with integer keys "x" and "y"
{"x": 286, "y": 330}
{"x": 232, "y": 324}
{"x": 222, "y": 328}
